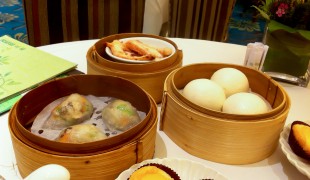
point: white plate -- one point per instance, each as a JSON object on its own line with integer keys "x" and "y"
{"x": 186, "y": 169}
{"x": 157, "y": 43}
{"x": 301, "y": 164}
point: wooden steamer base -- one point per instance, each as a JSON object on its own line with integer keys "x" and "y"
{"x": 104, "y": 159}
{"x": 217, "y": 136}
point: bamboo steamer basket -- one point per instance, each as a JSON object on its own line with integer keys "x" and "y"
{"x": 104, "y": 159}
{"x": 217, "y": 136}
{"x": 150, "y": 76}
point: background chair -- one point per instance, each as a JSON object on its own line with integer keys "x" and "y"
{"x": 200, "y": 19}
{"x": 54, "y": 21}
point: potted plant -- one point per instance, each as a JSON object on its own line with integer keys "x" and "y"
{"x": 288, "y": 36}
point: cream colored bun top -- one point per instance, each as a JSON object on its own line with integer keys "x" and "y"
{"x": 205, "y": 93}
{"x": 245, "y": 103}
{"x": 232, "y": 80}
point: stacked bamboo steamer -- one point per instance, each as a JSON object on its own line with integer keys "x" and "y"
{"x": 150, "y": 76}
{"x": 217, "y": 136}
{"x": 104, "y": 159}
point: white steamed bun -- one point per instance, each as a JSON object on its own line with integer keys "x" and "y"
{"x": 232, "y": 80}
{"x": 245, "y": 103}
{"x": 205, "y": 93}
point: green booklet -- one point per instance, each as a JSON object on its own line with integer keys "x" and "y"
{"x": 23, "y": 67}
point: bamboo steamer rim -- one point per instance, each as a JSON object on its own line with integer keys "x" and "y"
{"x": 173, "y": 89}
{"x": 98, "y": 54}
{"x": 131, "y": 67}
{"x": 20, "y": 137}
{"x": 222, "y": 114}
{"x": 219, "y": 139}
{"x": 101, "y": 165}
{"x": 216, "y": 119}
{"x": 175, "y": 64}
{"x": 17, "y": 110}
{"x": 17, "y": 133}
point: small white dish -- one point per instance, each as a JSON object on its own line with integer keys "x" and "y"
{"x": 186, "y": 169}
{"x": 157, "y": 43}
{"x": 301, "y": 164}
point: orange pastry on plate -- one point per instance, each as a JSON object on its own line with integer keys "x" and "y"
{"x": 154, "y": 171}
{"x": 299, "y": 139}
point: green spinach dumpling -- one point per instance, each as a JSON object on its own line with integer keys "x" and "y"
{"x": 120, "y": 115}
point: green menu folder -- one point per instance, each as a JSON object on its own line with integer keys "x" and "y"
{"x": 23, "y": 67}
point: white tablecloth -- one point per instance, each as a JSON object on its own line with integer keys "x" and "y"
{"x": 274, "y": 167}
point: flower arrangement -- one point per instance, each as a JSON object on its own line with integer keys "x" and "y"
{"x": 292, "y": 13}
{"x": 288, "y": 37}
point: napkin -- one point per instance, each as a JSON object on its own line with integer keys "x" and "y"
{"x": 255, "y": 55}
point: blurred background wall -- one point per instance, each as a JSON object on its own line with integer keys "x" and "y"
{"x": 244, "y": 26}
{"x": 12, "y": 20}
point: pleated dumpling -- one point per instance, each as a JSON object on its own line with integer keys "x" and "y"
{"x": 120, "y": 115}
{"x": 81, "y": 133}
{"x": 73, "y": 110}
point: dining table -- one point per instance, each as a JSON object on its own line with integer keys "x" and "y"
{"x": 276, "y": 166}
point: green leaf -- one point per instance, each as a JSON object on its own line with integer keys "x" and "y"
{"x": 262, "y": 13}
{"x": 304, "y": 33}
{"x": 274, "y": 25}
{"x": 268, "y": 2}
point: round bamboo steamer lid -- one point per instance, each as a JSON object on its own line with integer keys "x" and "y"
{"x": 216, "y": 136}
{"x": 149, "y": 76}
{"x": 103, "y": 163}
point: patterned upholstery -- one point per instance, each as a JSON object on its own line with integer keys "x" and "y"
{"x": 200, "y": 19}
{"x": 54, "y": 21}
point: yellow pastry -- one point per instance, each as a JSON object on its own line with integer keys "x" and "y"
{"x": 299, "y": 139}
{"x": 154, "y": 172}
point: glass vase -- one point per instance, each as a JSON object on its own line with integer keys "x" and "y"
{"x": 288, "y": 56}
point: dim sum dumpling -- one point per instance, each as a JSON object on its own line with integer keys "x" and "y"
{"x": 120, "y": 115}
{"x": 73, "y": 110}
{"x": 81, "y": 133}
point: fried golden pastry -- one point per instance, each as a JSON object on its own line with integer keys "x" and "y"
{"x": 73, "y": 110}
{"x": 164, "y": 51}
{"x": 120, "y": 50}
{"x": 143, "y": 49}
